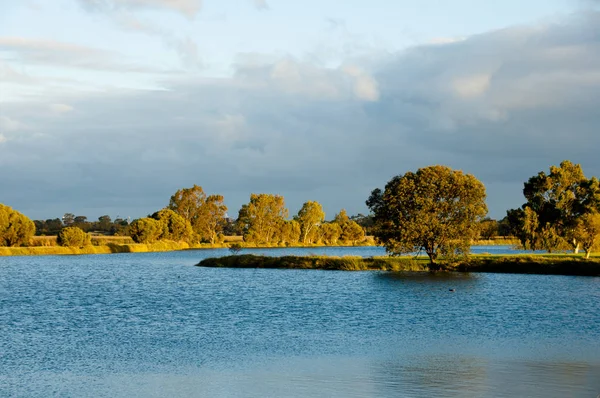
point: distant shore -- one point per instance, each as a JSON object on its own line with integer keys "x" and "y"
{"x": 47, "y": 246}
{"x": 519, "y": 264}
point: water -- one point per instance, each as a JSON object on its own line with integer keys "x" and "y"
{"x": 153, "y": 325}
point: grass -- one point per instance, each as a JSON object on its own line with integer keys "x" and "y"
{"x": 346, "y": 263}
{"x": 108, "y": 248}
{"x": 521, "y": 264}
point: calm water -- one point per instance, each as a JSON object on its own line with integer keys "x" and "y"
{"x": 153, "y": 325}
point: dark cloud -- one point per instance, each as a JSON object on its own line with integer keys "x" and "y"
{"x": 502, "y": 106}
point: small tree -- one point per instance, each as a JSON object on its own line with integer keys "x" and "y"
{"x": 331, "y": 233}
{"x": 588, "y": 232}
{"x": 173, "y": 226}
{"x": 351, "y": 231}
{"x": 436, "y": 210}
{"x": 74, "y": 237}
{"x": 145, "y": 230}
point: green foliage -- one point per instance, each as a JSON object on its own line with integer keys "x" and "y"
{"x": 205, "y": 214}
{"x": 74, "y": 237}
{"x": 488, "y": 228}
{"x": 261, "y": 218}
{"x": 145, "y": 230}
{"x": 347, "y": 263}
{"x": 331, "y": 233}
{"x": 289, "y": 232}
{"x": 310, "y": 216}
{"x": 15, "y": 228}
{"x": 557, "y": 203}
{"x": 172, "y": 226}
{"x": 435, "y": 210}
{"x": 587, "y": 231}
{"x": 351, "y": 231}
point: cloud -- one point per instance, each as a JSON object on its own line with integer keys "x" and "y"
{"x": 61, "y": 108}
{"x": 122, "y": 13}
{"x": 502, "y": 105}
{"x": 186, "y": 7}
{"x": 51, "y": 52}
{"x": 365, "y": 86}
{"x": 261, "y": 4}
{"x": 8, "y": 125}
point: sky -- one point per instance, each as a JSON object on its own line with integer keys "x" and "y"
{"x": 110, "y": 106}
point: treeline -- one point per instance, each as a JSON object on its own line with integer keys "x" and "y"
{"x": 435, "y": 210}
{"x": 561, "y": 212}
{"x": 441, "y": 211}
{"x": 194, "y": 217}
{"x": 105, "y": 225}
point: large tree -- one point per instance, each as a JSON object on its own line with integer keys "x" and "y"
{"x": 436, "y": 210}
{"x": 205, "y": 214}
{"x": 262, "y": 218}
{"x": 310, "y": 216}
{"x": 557, "y": 205}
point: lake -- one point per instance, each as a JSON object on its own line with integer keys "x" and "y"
{"x": 154, "y": 325}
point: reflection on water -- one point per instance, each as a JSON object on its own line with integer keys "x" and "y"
{"x": 420, "y": 376}
{"x": 153, "y": 325}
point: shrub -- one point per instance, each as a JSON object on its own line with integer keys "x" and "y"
{"x": 73, "y": 236}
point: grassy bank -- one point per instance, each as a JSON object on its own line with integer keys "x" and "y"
{"x": 108, "y": 248}
{"x": 560, "y": 264}
{"x": 537, "y": 264}
{"x": 347, "y": 263}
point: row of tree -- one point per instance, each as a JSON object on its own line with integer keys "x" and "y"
{"x": 436, "y": 210}
{"x": 195, "y": 217}
{"x": 104, "y": 225}
{"x": 440, "y": 211}
{"x": 561, "y": 212}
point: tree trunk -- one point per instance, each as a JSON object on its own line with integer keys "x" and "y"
{"x": 587, "y": 254}
{"x": 575, "y": 246}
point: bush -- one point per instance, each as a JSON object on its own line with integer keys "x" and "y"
{"x": 73, "y": 236}
{"x": 145, "y": 230}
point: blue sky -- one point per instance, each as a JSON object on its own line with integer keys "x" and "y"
{"x": 110, "y": 106}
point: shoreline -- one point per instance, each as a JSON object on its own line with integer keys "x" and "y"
{"x": 165, "y": 246}
{"x": 568, "y": 264}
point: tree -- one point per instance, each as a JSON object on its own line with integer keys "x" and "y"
{"x": 73, "y": 236}
{"x": 588, "y": 232}
{"x": 351, "y": 231}
{"x": 488, "y": 228}
{"x": 331, "y": 233}
{"x": 212, "y": 219}
{"x": 68, "y": 219}
{"x": 145, "y": 230}
{"x": 555, "y": 204}
{"x": 172, "y": 226}
{"x": 289, "y": 232}
{"x": 310, "y": 216}
{"x": 261, "y": 218}
{"x": 104, "y": 223}
{"x": 16, "y": 229}
{"x": 205, "y": 214}
{"x": 187, "y": 202}
{"x": 435, "y": 210}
